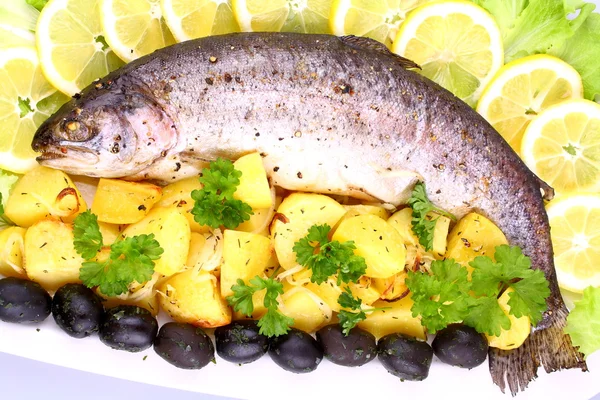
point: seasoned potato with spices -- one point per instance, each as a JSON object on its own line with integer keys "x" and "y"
{"x": 179, "y": 195}
{"x": 355, "y": 210}
{"x": 12, "y": 243}
{"x": 254, "y": 186}
{"x": 50, "y": 258}
{"x": 307, "y": 309}
{"x": 520, "y": 328}
{"x": 194, "y": 298}
{"x": 44, "y": 192}
{"x": 172, "y": 231}
{"x": 397, "y": 318}
{"x": 110, "y": 232}
{"x": 375, "y": 240}
{"x": 402, "y": 221}
{"x": 393, "y": 287}
{"x": 122, "y": 202}
{"x": 300, "y": 211}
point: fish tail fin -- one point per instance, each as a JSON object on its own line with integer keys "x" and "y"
{"x": 548, "y": 346}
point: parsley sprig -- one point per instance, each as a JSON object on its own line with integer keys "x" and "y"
{"x": 349, "y": 319}
{"x": 214, "y": 203}
{"x": 4, "y": 221}
{"x": 447, "y": 296}
{"x": 325, "y": 257}
{"x": 422, "y": 225}
{"x": 131, "y": 259}
{"x": 273, "y": 323}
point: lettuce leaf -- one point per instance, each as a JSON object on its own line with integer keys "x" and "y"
{"x": 505, "y": 12}
{"x": 582, "y": 51}
{"x": 583, "y": 323}
{"x": 7, "y": 181}
{"x": 38, "y": 4}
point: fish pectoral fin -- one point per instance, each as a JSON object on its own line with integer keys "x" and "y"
{"x": 364, "y": 43}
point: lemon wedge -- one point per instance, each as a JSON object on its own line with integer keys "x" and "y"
{"x": 134, "y": 28}
{"x": 522, "y": 89}
{"x": 26, "y": 100}
{"x": 304, "y": 16}
{"x": 72, "y": 50}
{"x": 456, "y": 43}
{"x": 562, "y": 146}
{"x": 377, "y": 20}
{"x": 191, "y": 19}
{"x": 575, "y": 223}
{"x": 11, "y": 36}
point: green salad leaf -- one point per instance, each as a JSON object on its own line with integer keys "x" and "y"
{"x": 583, "y": 323}
{"x": 38, "y": 4}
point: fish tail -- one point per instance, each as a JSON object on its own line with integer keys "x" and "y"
{"x": 549, "y": 346}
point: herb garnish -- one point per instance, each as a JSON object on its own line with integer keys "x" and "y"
{"x": 349, "y": 319}
{"x": 422, "y": 225}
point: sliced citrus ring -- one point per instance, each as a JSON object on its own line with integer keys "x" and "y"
{"x": 522, "y": 89}
{"x": 72, "y": 50}
{"x": 26, "y": 100}
{"x": 304, "y": 16}
{"x": 191, "y": 19}
{"x": 377, "y": 20}
{"x": 18, "y": 14}
{"x": 134, "y": 28}
{"x": 11, "y": 36}
{"x": 456, "y": 43}
{"x": 575, "y": 223}
{"x": 562, "y": 146}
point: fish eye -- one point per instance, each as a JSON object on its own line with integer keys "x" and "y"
{"x": 74, "y": 130}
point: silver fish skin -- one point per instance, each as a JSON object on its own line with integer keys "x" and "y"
{"x": 328, "y": 114}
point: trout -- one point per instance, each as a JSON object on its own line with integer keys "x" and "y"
{"x": 327, "y": 114}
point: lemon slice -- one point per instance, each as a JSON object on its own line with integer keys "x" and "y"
{"x": 457, "y": 43}
{"x": 575, "y": 223}
{"x": 304, "y": 16}
{"x": 191, "y": 19}
{"x": 562, "y": 146}
{"x": 72, "y": 50}
{"x": 26, "y": 100}
{"x": 134, "y": 28}
{"x": 377, "y": 20}
{"x": 11, "y": 36}
{"x": 18, "y": 14}
{"x": 522, "y": 89}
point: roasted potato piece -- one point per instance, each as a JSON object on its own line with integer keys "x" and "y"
{"x": 258, "y": 222}
{"x": 393, "y": 287}
{"x": 402, "y": 221}
{"x": 308, "y": 310}
{"x": 474, "y": 235}
{"x": 328, "y": 291}
{"x": 122, "y": 202}
{"x": 520, "y": 328}
{"x": 254, "y": 186}
{"x": 50, "y": 258}
{"x": 397, "y": 319}
{"x": 245, "y": 255}
{"x": 364, "y": 290}
{"x": 300, "y": 211}
{"x": 110, "y": 232}
{"x": 179, "y": 194}
{"x": 12, "y": 243}
{"x": 41, "y": 193}
{"x": 377, "y": 241}
{"x": 172, "y": 231}
{"x": 194, "y": 298}
{"x": 362, "y": 209}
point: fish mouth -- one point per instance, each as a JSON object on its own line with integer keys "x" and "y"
{"x": 78, "y": 153}
{"x": 50, "y": 155}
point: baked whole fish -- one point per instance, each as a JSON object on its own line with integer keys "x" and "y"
{"x": 328, "y": 114}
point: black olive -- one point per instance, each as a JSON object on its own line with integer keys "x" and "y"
{"x": 296, "y": 351}
{"x": 128, "y": 328}
{"x": 405, "y": 357}
{"x": 461, "y": 346}
{"x": 22, "y": 301}
{"x": 184, "y": 345}
{"x": 356, "y": 349}
{"x": 240, "y": 342}
{"x": 77, "y": 310}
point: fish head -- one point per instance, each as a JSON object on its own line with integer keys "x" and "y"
{"x": 106, "y": 133}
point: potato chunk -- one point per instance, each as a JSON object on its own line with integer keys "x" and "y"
{"x": 122, "y": 202}
{"x": 375, "y": 240}
{"x": 520, "y": 328}
{"x": 41, "y": 193}
{"x": 393, "y": 287}
{"x": 362, "y": 209}
{"x": 172, "y": 231}
{"x": 12, "y": 242}
{"x": 194, "y": 298}
{"x": 50, "y": 257}
{"x": 179, "y": 194}
{"x": 254, "y": 186}
{"x": 245, "y": 255}
{"x": 474, "y": 235}
{"x": 398, "y": 318}
{"x": 301, "y": 211}
{"x": 308, "y": 310}
{"x": 402, "y": 221}
{"x": 110, "y": 232}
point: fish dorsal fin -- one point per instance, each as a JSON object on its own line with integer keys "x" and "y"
{"x": 363, "y": 43}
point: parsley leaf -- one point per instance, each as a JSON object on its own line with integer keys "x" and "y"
{"x": 214, "y": 203}
{"x": 347, "y": 300}
{"x": 273, "y": 323}
{"x": 87, "y": 236}
{"x": 349, "y": 320}
{"x": 423, "y": 225}
{"x": 131, "y": 259}
{"x": 512, "y": 269}
{"x": 442, "y": 298}
{"x": 326, "y": 258}
{"x": 486, "y": 316}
